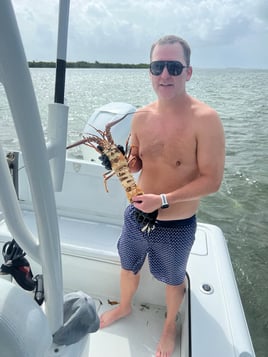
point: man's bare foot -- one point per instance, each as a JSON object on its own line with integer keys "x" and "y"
{"x": 109, "y": 317}
{"x": 167, "y": 341}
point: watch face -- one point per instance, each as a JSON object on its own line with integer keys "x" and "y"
{"x": 166, "y": 205}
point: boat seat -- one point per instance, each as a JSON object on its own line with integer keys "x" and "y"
{"x": 89, "y": 239}
{"x": 80, "y": 238}
{"x": 22, "y": 323}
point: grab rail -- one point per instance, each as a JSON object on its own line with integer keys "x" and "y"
{"x": 15, "y": 76}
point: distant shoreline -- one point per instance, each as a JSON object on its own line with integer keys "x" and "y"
{"x": 83, "y": 64}
{"x": 96, "y": 64}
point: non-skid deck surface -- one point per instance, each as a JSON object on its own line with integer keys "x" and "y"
{"x": 134, "y": 336}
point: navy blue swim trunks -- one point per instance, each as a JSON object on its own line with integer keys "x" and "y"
{"x": 168, "y": 247}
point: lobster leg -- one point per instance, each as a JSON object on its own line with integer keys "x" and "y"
{"x": 106, "y": 177}
{"x": 127, "y": 151}
{"x": 80, "y": 142}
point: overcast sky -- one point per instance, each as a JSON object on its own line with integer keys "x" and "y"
{"x": 221, "y": 33}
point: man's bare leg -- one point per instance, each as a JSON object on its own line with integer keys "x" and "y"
{"x": 174, "y": 297}
{"x": 128, "y": 285}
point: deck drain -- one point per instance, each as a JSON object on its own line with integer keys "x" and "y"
{"x": 207, "y": 288}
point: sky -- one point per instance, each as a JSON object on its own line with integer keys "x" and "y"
{"x": 221, "y": 33}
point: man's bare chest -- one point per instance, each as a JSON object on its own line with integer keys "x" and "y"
{"x": 167, "y": 141}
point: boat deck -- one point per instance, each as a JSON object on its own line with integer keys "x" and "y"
{"x": 136, "y": 335}
{"x": 94, "y": 268}
{"x": 91, "y": 264}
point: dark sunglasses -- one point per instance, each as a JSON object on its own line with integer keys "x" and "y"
{"x": 174, "y": 67}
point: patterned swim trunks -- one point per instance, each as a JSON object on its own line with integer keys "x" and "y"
{"x": 168, "y": 247}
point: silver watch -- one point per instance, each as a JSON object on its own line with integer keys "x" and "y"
{"x": 164, "y": 201}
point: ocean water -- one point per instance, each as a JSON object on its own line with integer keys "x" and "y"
{"x": 240, "y": 207}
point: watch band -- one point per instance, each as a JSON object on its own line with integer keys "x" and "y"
{"x": 164, "y": 201}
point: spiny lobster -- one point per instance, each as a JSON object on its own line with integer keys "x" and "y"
{"x": 104, "y": 144}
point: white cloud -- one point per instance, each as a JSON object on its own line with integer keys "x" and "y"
{"x": 123, "y": 30}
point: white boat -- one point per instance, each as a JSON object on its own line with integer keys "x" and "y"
{"x": 62, "y": 217}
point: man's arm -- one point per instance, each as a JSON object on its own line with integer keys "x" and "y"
{"x": 134, "y": 161}
{"x": 210, "y": 161}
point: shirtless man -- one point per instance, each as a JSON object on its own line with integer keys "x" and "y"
{"x": 178, "y": 144}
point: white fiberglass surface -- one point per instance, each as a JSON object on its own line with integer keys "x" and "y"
{"x": 137, "y": 335}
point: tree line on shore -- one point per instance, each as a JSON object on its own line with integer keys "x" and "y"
{"x": 84, "y": 64}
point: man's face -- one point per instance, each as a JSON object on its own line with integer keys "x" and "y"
{"x": 165, "y": 85}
